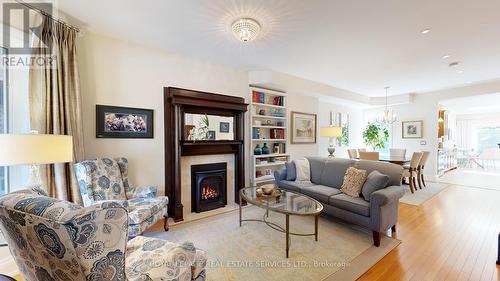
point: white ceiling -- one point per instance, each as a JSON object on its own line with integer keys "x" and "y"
{"x": 480, "y": 104}
{"x": 357, "y": 45}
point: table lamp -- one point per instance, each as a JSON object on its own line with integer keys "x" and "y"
{"x": 34, "y": 150}
{"x": 331, "y": 133}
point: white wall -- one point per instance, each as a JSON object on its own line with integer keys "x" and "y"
{"x": 118, "y": 73}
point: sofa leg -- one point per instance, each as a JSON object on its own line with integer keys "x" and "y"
{"x": 165, "y": 224}
{"x": 376, "y": 238}
{"x": 393, "y": 228}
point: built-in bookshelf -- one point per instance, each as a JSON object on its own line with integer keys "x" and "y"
{"x": 269, "y": 126}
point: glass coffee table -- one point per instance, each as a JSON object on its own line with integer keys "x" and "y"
{"x": 285, "y": 202}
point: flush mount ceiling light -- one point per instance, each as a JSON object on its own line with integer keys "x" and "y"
{"x": 446, "y": 56}
{"x": 425, "y": 31}
{"x": 245, "y": 29}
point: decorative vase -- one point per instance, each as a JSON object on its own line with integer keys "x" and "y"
{"x": 257, "y": 150}
{"x": 265, "y": 149}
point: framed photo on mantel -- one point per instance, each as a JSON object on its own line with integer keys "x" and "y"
{"x": 123, "y": 122}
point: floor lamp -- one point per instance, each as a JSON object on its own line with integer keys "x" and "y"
{"x": 35, "y": 150}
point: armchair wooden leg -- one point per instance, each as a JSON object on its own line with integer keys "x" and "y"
{"x": 423, "y": 181}
{"x": 165, "y": 224}
{"x": 376, "y": 238}
{"x": 393, "y": 228}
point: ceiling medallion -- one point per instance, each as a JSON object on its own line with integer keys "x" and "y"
{"x": 245, "y": 29}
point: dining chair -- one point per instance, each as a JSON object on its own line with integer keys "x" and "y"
{"x": 353, "y": 153}
{"x": 369, "y": 155}
{"x": 420, "y": 169}
{"x": 410, "y": 171}
{"x": 397, "y": 152}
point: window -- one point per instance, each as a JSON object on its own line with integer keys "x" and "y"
{"x": 488, "y": 137}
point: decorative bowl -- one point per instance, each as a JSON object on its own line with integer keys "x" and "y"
{"x": 268, "y": 189}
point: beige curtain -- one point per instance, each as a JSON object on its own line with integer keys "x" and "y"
{"x": 55, "y": 103}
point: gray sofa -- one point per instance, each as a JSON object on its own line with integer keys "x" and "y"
{"x": 378, "y": 213}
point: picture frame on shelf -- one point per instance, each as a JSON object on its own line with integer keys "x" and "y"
{"x": 412, "y": 129}
{"x": 303, "y": 129}
{"x": 224, "y": 127}
{"x": 211, "y": 135}
{"x": 124, "y": 122}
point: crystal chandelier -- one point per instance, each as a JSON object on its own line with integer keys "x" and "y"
{"x": 389, "y": 116}
{"x": 245, "y": 29}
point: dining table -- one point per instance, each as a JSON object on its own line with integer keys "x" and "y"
{"x": 399, "y": 160}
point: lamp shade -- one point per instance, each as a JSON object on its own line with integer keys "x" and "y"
{"x": 35, "y": 149}
{"x": 331, "y": 132}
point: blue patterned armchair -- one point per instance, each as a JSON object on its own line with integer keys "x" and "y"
{"x": 55, "y": 240}
{"x": 106, "y": 179}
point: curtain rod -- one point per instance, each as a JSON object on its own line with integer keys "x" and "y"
{"x": 48, "y": 15}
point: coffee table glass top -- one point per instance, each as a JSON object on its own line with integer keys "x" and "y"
{"x": 288, "y": 202}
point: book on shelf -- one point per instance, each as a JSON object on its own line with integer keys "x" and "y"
{"x": 260, "y": 97}
{"x": 255, "y": 133}
{"x": 277, "y": 133}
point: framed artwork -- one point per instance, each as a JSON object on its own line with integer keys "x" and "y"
{"x": 412, "y": 129}
{"x": 303, "y": 128}
{"x": 224, "y": 127}
{"x": 211, "y": 135}
{"x": 123, "y": 122}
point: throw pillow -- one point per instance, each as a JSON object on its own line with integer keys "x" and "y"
{"x": 291, "y": 172}
{"x": 353, "y": 181}
{"x": 375, "y": 181}
{"x": 303, "y": 170}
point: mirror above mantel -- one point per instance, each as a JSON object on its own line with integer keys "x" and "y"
{"x": 208, "y": 127}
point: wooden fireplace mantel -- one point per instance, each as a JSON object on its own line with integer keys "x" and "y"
{"x": 176, "y": 103}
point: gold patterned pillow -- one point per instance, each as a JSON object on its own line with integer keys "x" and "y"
{"x": 353, "y": 182}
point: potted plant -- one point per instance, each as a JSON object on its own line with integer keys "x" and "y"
{"x": 375, "y": 135}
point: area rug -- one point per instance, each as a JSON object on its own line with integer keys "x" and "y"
{"x": 257, "y": 252}
{"x": 422, "y": 195}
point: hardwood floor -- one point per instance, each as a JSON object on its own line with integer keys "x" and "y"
{"x": 453, "y": 236}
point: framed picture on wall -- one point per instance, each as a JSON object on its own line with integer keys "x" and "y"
{"x": 224, "y": 127}
{"x": 303, "y": 128}
{"x": 412, "y": 129}
{"x": 123, "y": 122}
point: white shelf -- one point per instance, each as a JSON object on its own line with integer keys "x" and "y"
{"x": 269, "y": 164}
{"x": 269, "y": 140}
{"x": 271, "y": 155}
{"x": 266, "y": 131}
{"x": 268, "y": 117}
{"x": 268, "y": 105}
{"x": 269, "y": 127}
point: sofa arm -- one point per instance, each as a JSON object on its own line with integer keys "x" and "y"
{"x": 386, "y": 195}
{"x": 144, "y": 192}
{"x": 280, "y": 175}
{"x": 384, "y": 207}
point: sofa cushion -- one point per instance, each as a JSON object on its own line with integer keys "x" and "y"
{"x": 303, "y": 170}
{"x": 334, "y": 171}
{"x": 140, "y": 209}
{"x": 293, "y": 186}
{"x": 356, "y": 205}
{"x": 392, "y": 170}
{"x": 317, "y": 165}
{"x": 291, "y": 172}
{"x": 321, "y": 193}
{"x": 353, "y": 181}
{"x": 374, "y": 182}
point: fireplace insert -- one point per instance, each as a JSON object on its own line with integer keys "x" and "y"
{"x": 208, "y": 187}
